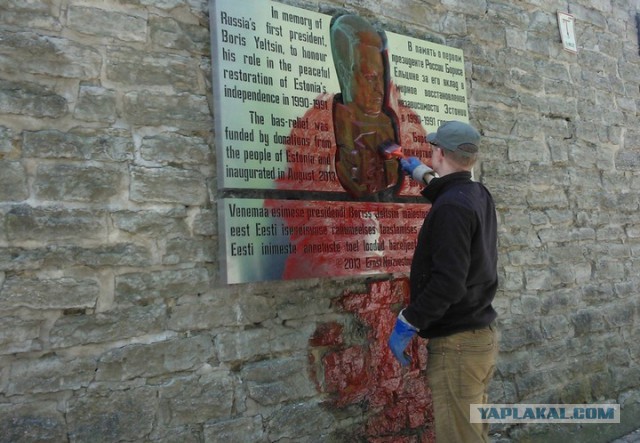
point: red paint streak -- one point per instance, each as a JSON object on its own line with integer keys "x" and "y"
{"x": 361, "y": 371}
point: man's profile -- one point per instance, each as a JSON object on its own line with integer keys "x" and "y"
{"x": 363, "y": 126}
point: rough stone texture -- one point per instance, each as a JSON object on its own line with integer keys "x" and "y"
{"x": 114, "y": 326}
{"x": 32, "y": 421}
{"x": 24, "y": 224}
{"x": 13, "y": 182}
{"x": 168, "y": 185}
{"x": 62, "y": 293}
{"x": 30, "y": 99}
{"x": 30, "y": 53}
{"x": 80, "y": 183}
{"x": 110, "y": 145}
{"x": 96, "y": 104}
{"x": 101, "y": 22}
{"x": 107, "y": 415}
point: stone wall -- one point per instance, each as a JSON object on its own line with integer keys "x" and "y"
{"x": 114, "y": 325}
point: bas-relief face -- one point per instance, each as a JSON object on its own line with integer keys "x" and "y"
{"x": 368, "y": 85}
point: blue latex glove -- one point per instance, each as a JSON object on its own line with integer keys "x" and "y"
{"x": 409, "y": 164}
{"x": 401, "y": 335}
{"x": 415, "y": 168}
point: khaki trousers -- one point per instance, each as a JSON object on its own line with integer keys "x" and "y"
{"x": 459, "y": 370}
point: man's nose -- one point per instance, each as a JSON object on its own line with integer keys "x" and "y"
{"x": 379, "y": 85}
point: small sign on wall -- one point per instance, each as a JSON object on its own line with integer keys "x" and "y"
{"x": 566, "y": 22}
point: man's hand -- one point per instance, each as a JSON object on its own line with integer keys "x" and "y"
{"x": 401, "y": 335}
{"x": 415, "y": 168}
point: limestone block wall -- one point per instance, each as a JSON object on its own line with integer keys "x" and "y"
{"x": 114, "y": 325}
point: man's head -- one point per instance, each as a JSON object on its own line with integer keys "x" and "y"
{"x": 357, "y": 52}
{"x": 458, "y": 141}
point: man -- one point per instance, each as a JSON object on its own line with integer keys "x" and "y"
{"x": 453, "y": 281}
{"x": 363, "y": 124}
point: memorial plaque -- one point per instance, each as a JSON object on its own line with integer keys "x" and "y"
{"x": 309, "y": 102}
{"x": 275, "y": 85}
{"x": 286, "y": 239}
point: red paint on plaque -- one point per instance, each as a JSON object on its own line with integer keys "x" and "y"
{"x": 351, "y": 242}
{"x": 311, "y": 147}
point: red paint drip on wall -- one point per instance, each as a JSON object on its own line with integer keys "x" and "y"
{"x": 396, "y": 399}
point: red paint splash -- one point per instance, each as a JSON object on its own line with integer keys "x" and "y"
{"x": 316, "y": 125}
{"x": 397, "y": 400}
{"x": 362, "y": 372}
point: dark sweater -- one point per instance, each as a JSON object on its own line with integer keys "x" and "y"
{"x": 454, "y": 269}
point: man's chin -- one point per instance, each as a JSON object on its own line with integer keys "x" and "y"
{"x": 373, "y": 111}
